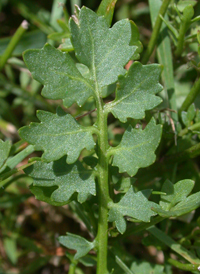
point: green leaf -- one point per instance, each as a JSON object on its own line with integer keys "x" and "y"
{"x": 188, "y": 13}
{"x": 81, "y": 245}
{"x": 175, "y": 193}
{"x": 104, "y": 51}
{"x": 57, "y": 71}
{"x": 10, "y": 247}
{"x": 134, "y": 205}
{"x": 4, "y": 151}
{"x": 135, "y": 41}
{"x": 57, "y": 135}
{"x": 182, "y": 4}
{"x": 44, "y": 194}
{"x": 66, "y": 45}
{"x": 176, "y": 202}
{"x": 137, "y": 148}
{"x": 146, "y": 268}
{"x": 57, "y": 13}
{"x": 123, "y": 266}
{"x": 187, "y": 117}
{"x": 189, "y": 204}
{"x": 68, "y": 179}
{"x": 164, "y": 54}
{"x": 106, "y": 9}
{"x": 136, "y": 92}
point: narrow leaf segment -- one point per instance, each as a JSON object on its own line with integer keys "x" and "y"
{"x": 4, "y": 151}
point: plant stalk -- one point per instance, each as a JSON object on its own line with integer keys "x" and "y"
{"x": 13, "y": 43}
{"x": 103, "y": 191}
{"x": 182, "y": 31}
{"x": 190, "y": 97}
{"x": 190, "y": 128}
{"x": 187, "y": 267}
{"x": 156, "y": 30}
{"x": 72, "y": 268}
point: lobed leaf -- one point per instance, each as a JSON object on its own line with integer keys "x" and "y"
{"x": 176, "y": 202}
{"x": 175, "y": 193}
{"x": 134, "y": 205}
{"x": 57, "y": 135}
{"x": 4, "y": 151}
{"x": 80, "y": 244}
{"x": 136, "y": 92}
{"x": 137, "y": 148}
{"x": 57, "y": 71}
{"x": 61, "y": 181}
{"x": 146, "y": 268}
{"x": 105, "y": 51}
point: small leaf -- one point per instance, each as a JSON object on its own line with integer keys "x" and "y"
{"x": 175, "y": 193}
{"x": 105, "y": 51}
{"x": 146, "y": 268}
{"x": 137, "y": 148}
{"x": 134, "y": 205}
{"x": 188, "y": 13}
{"x": 106, "y": 9}
{"x": 136, "y": 92}
{"x": 68, "y": 179}
{"x": 80, "y": 244}
{"x": 176, "y": 202}
{"x": 58, "y": 134}
{"x": 187, "y": 117}
{"x": 189, "y": 204}
{"x": 182, "y": 4}
{"x": 58, "y": 73}
{"x": 135, "y": 41}
{"x": 4, "y": 151}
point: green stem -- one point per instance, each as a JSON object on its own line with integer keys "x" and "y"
{"x": 187, "y": 267}
{"x": 190, "y": 97}
{"x": 187, "y": 129}
{"x": 182, "y": 31}
{"x": 72, "y": 268}
{"x": 13, "y": 42}
{"x": 156, "y": 30}
{"x": 103, "y": 190}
